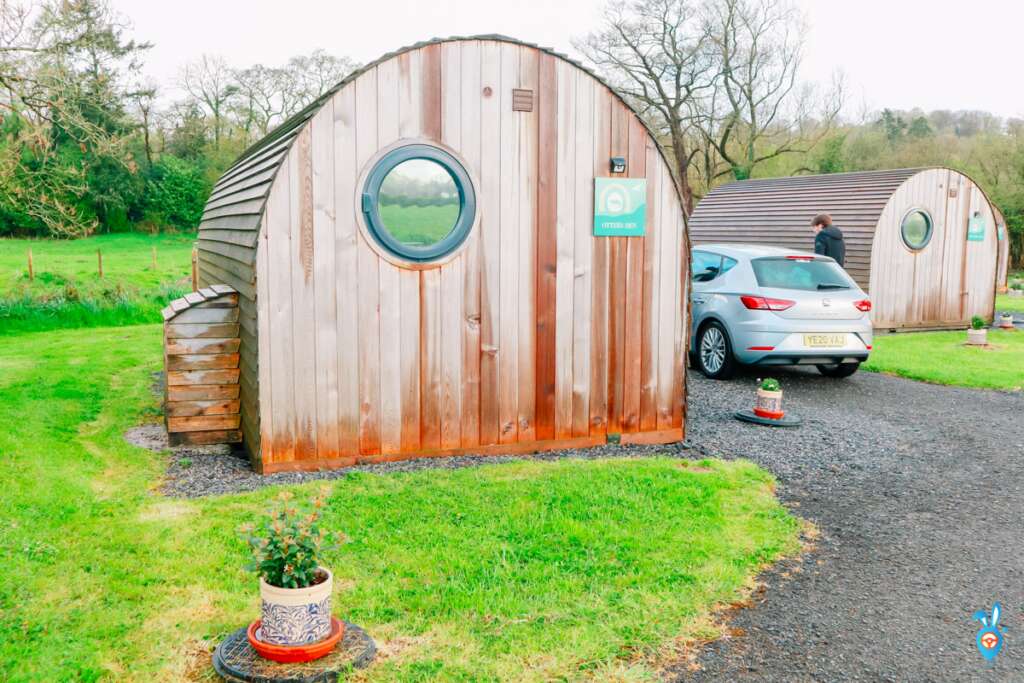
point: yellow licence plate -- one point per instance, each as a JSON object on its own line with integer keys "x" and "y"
{"x": 825, "y": 341}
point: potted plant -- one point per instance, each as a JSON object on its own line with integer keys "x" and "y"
{"x": 978, "y": 334}
{"x": 769, "y": 399}
{"x": 294, "y": 586}
{"x": 1006, "y": 320}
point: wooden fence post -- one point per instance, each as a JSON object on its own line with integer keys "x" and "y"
{"x": 31, "y": 271}
{"x": 195, "y": 270}
{"x": 99, "y": 262}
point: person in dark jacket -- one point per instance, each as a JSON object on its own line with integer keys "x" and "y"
{"x": 828, "y": 239}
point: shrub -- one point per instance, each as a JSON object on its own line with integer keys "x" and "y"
{"x": 770, "y": 384}
{"x": 287, "y": 548}
{"x": 176, "y": 193}
{"x": 978, "y": 323}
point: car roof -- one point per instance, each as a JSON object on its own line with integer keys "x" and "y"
{"x": 750, "y": 250}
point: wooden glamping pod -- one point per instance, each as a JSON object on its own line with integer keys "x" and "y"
{"x": 921, "y": 242}
{"x": 421, "y": 269}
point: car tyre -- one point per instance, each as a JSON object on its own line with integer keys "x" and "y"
{"x": 714, "y": 352}
{"x": 839, "y": 370}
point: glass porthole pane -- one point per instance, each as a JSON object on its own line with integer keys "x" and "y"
{"x": 916, "y": 229}
{"x": 419, "y": 203}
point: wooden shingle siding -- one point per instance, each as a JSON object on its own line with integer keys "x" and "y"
{"x": 942, "y": 285}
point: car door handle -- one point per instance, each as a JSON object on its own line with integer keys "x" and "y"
{"x": 699, "y": 300}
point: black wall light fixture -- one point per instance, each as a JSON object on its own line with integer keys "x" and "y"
{"x": 618, "y": 164}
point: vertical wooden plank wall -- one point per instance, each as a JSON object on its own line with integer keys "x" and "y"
{"x": 535, "y": 335}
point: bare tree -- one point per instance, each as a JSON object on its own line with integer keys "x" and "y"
{"x": 258, "y": 103}
{"x": 655, "y": 52}
{"x": 757, "y": 110}
{"x": 313, "y": 75}
{"x": 210, "y": 81}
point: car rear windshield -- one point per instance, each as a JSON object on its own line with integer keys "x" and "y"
{"x": 788, "y": 273}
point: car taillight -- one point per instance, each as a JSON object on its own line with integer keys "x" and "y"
{"x": 799, "y": 258}
{"x": 764, "y": 303}
{"x": 863, "y": 305}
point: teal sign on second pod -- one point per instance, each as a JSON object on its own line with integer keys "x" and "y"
{"x": 620, "y": 207}
{"x": 976, "y": 228}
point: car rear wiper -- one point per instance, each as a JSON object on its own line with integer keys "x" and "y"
{"x": 832, "y": 285}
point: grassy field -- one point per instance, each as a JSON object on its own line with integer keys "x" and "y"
{"x": 68, "y": 292}
{"x": 419, "y": 224}
{"x": 1004, "y": 304}
{"x": 525, "y": 571}
{"x": 943, "y": 358}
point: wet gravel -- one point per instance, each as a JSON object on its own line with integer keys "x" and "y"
{"x": 917, "y": 491}
{"x": 194, "y": 471}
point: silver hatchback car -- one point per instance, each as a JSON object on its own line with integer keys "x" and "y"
{"x": 758, "y": 305}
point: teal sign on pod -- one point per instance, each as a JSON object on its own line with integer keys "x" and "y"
{"x": 976, "y": 228}
{"x": 620, "y": 207}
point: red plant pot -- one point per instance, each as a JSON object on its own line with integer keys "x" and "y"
{"x": 296, "y": 653}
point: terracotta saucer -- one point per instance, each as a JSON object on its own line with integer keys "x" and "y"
{"x": 296, "y": 653}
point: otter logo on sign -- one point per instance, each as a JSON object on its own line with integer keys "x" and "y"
{"x": 620, "y": 207}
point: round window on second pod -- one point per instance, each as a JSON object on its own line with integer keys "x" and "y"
{"x": 916, "y": 229}
{"x": 419, "y": 203}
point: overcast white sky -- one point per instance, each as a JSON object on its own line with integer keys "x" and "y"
{"x": 933, "y": 54}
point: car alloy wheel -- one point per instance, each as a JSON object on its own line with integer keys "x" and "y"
{"x": 715, "y": 352}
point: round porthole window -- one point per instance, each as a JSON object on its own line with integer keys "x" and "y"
{"x": 419, "y": 202}
{"x": 916, "y": 228}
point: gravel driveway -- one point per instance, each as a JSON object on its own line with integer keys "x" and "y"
{"x": 918, "y": 492}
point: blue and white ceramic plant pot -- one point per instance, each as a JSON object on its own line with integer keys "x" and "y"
{"x": 296, "y": 616}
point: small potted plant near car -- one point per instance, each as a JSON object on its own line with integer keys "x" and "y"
{"x": 1006, "y": 320}
{"x": 978, "y": 334}
{"x": 295, "y": 588}
{"x": 769, "y": 399}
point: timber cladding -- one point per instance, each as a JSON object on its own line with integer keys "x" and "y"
{"x": 943, "y": 284}
{"x": 533, "y": 335}
{"x": 201, "y": 356}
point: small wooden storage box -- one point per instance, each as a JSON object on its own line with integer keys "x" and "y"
{"x": 201, "y": 342}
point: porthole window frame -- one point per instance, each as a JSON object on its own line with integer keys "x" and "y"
{"x": 928, "y": 235}
{"x": 377, "y": 229}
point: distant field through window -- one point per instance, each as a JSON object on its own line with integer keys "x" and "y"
{"x": 419, "y": 202}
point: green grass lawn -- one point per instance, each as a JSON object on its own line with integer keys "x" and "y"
{"x": 943, "y": 358}
{"x": 68, "y": 292}
{"x": 419, "y": 224}
{"x": 1005, "y": 304}
{"x": 526, "y": 571}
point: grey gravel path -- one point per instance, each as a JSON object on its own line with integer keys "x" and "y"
{"x": 918, "y": 492}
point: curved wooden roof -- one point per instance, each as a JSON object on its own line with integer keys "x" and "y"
{"x": 230, "y": 223}
{"x": 778, "y": 211}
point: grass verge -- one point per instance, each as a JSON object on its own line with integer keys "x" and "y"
{"x": 68, "y": 292}
{"x": 944, "y": 358}
{"x": 1007, "y": 304}
{"x": 526, "y": 571}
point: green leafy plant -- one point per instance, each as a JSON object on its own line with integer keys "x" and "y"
{"x": 287, "y": 547}
{"x": 977, "y": 323}
{"x": 770, "y": 384}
